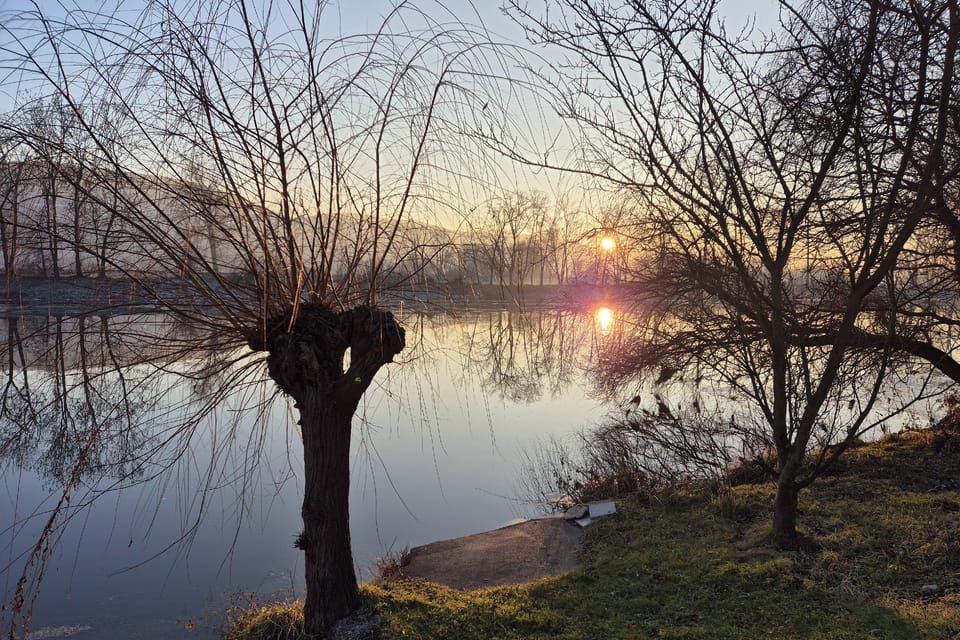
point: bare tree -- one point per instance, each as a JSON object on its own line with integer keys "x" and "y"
{"x": 271, "y": 168}
{"x": 779, "y": 183}
{"x": 566, "y": 254}
{"x": 10, "y": 185}
{"x": 508, "y": 235}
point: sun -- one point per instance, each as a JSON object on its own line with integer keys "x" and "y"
{"x": 608, "y": 244}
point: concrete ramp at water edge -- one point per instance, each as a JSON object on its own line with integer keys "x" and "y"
{"x": 514, "y": 554}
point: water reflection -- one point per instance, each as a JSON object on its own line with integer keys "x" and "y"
{"x": 676, "y": 421}
{"x": 118, "y": 447}
{"x": 604, "y": 317}
{"x": 94, "y": 407}
{"x": 522, "y": 356}
{"x": 70, "y": 408}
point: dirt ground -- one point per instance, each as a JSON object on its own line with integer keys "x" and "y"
{"x": 515, "y": 554}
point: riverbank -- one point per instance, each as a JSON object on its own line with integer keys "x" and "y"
{"x": 698, "y": 563}
{"x": 90, "y": 295}
{"x": 77, "y": 296}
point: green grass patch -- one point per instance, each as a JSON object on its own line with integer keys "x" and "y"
{"x": 696, "y": 565}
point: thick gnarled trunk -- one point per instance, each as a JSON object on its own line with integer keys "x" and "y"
{"x": 306, "y": 350}
{"x": 331, "y": 584}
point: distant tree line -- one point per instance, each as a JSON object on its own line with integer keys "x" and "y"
{"x": 58, "y": 219}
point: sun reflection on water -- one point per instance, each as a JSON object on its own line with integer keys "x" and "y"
{"x": 604, "y": 319}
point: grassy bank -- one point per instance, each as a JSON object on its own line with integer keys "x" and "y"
{"x": 698, "y": 563}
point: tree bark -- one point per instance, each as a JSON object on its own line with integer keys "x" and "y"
{"x": 331, "y": 584}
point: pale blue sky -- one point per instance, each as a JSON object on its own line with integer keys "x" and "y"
{"x": 355, "y": 15}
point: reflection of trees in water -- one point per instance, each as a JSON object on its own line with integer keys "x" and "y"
{"x": 87, "y": 403}
{"x": 517, "y": 356}
{"x": 521, "y": 355}
{"x": 98, "y": 404}
{"x": 61, "y": 417}
{"x": 67, "y": 403}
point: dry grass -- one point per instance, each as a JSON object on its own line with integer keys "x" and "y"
{"x": 249, "y": 620}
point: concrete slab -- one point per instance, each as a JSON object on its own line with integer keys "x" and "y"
{"x": 604, "y": 508}
{"x": 512, "y": 555}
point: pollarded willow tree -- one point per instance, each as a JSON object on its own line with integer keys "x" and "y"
{"x": 781, "y": 183}
{"x": 268, "y": 167}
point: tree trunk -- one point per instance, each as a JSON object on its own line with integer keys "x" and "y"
{"x": 52, "y": 223}
{"x": 785, "y": 513}
{"x": 306, "y": 352}
{"x": 331, "y": 584}
{"x": 78, "y": 239}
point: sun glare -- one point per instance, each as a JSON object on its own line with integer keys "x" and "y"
{"x": 604, "y": 317}
{"x": 607, "y": 243}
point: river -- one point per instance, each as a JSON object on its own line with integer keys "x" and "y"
{"x": 166, "y": 517}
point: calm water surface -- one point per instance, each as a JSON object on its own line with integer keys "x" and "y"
{"x": 167, "y": 522}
